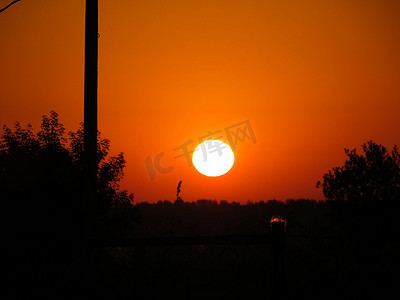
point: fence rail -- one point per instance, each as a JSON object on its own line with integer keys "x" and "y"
{"x": 260, "y": 239}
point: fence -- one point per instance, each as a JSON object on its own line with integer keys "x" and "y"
{"x": 276, "y": 240}
{"x": 303, "y": 263}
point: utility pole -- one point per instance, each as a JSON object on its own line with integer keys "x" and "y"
{"x": 90, "y": 111}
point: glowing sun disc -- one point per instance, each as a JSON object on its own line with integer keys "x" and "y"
{"x": 213, "y": 158}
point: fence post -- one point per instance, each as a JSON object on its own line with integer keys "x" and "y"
{"x": 278, "y": 254}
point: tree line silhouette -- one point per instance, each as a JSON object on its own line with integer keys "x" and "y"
{"x": 225, "y": 203}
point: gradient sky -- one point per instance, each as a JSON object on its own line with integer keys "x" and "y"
{"x": 309, "y": 77}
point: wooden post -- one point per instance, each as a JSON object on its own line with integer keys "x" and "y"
{"x": 90, "y": 111}
{"x": 278, "y": 253}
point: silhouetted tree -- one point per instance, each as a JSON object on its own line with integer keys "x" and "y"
{"x": 206, "y": 203}
{"x": 224, "y": 203}
{"x": 41, "y": 176}
{"x": 366, "y": 194}
{"x": 110, "y": 171}
{"x": 366, "y": 178}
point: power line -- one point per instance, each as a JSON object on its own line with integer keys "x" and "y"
{"x": 3, "y": 9}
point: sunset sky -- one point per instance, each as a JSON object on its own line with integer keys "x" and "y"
{"x": 309, "y": 78}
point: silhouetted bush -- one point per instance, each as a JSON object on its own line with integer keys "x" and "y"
{"x": 367, "y": 178}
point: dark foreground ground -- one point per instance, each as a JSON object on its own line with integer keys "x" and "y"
{"x": 331, "y": 251}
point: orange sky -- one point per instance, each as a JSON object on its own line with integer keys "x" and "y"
{"x": 310, "y": 77}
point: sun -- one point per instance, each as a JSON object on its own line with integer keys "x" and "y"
{"x": 213, "y": 158}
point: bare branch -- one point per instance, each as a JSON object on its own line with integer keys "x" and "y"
{"x": 3, "y": 9}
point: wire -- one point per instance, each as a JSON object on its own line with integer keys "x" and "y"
{"x": 3, "y": 9}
